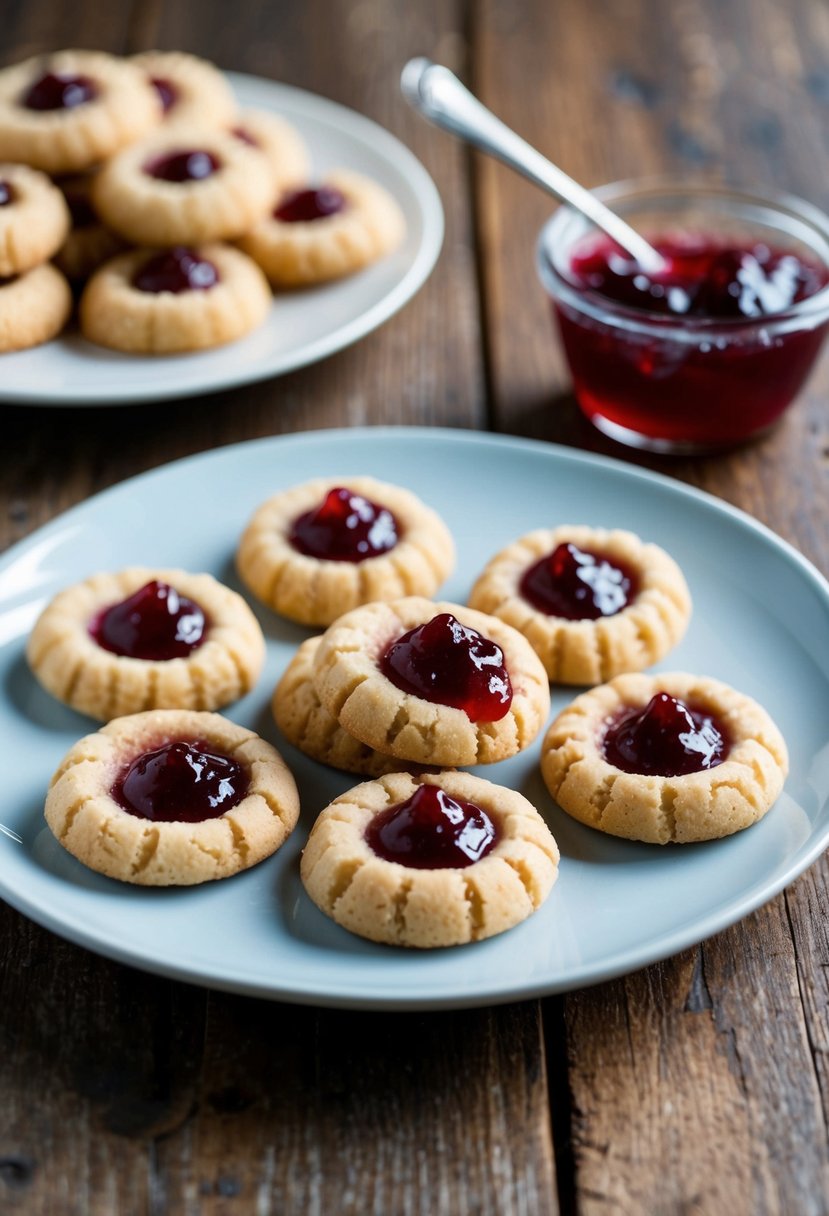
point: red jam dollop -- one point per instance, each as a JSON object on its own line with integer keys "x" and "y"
{"x": 707, "y": 391}
{"x": 345, "y": 527}
{"x": 155, "y": 623}
{"x": 176, "y": 270}
{"x": 450, "y": 664}
{"x": 578, "y": 585}
{"x": 188, "y": 165}
{"x": 303, "y": 206}
{"x": 181, "y": 782}
{"x": 6, "y": 193}
{"x": 59, "y": 91}
{"x": 431, "y": 831}
{"x": 665, "y": 739}
{"x": 167, "y": 92}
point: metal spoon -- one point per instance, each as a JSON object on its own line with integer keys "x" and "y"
{"x": 439, "y": 96}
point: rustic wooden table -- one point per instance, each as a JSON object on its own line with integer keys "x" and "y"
{"x": 698, "y": 1085}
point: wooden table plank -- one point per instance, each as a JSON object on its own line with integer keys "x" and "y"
{"x": 134, "y": 1094}
{"x": 698, "y": 1085}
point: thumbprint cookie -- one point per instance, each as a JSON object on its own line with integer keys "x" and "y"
{"x": 592, "y": 602}
{"x": 432, "y": 683}
{"x": 65, "y": 112}
{"x": 146, "y": 639}
{"x": 34, "y": 219}
{"x": 172, "y": 798}
{"x": 313, "y": 552}
{"x": 316, "y": 233}
{"x": 183, "y": 185}
{"x": 434, "y": 860}
{"x": 664, "y": 758}
{"x": 187, "y": 298}
{"x": 280, "y": 142}
{"x": 191, "y": 91}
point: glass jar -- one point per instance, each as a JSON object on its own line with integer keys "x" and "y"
{"x": 677, "y": 383}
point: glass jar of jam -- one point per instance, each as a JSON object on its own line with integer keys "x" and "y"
{"x": 709, "y": 351}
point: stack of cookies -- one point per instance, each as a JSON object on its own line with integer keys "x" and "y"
{"x": 171, "y": 211}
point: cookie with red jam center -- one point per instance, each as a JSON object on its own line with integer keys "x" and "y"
{"x": 191, "y": 91}
{"x": 172, "y": 798}
{"x": 34, "y": 219}
{"x": 434, "y": 860}
{"x": 664, "y": 758}
{"x": 319, "y": 231}
{"x": 143, "y": 638}
{"x": 68, "y": 111}
{"x": 189, "y": 297}
{"x": 322, "y": 548}
{"x": 183, "y": 186}
{"x": 592, "y": 602}
{"x": 431, "y": 683}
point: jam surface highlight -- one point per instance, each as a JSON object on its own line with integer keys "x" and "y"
{"x": 431, "y": 831}
{"x": 450, "y": 664}
{"x": 181, "y": 782}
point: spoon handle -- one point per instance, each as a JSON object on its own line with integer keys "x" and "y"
{"x": 439, "y": 96}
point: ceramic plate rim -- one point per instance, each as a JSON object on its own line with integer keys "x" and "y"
{"x": 424, "y": 196}
{"x": 375, "y": 996}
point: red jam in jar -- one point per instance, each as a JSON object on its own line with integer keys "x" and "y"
{"x": 345, "y": 527}
{"x": 431, "y": 831}
{"x": 682, "y": 357}
{"x": 155, "y": 623}
{"x": 181, "y": 782}
{"x": 578, "y": 585}
{"x": 666, "y": 739}
{"x": 450, "y": 664}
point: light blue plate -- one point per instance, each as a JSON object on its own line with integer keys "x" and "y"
{"x": 761, "y": 623}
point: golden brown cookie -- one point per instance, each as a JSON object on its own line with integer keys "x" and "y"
{"x": 34, "y": 219}
{"x": 129, "y": 801}
{"x": 315, "y": 590}
{"x": 216, "y": 657}
{"x": 34, "y": 307}
{"x": 491, "y": 673}
{"x": 634, "y": 721}
{"x": 67, "y": 111}
{"x": 192, "y": 91}
{"x": 184, "y": 185}
{"x": 640, "y": 627}
{"x": 279, "y": 141}
{"x": 132, "y": 303}
{"x": 309, "y": 727}
{"x": 396, "y": 901}
{"x": 316, "y": 234}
